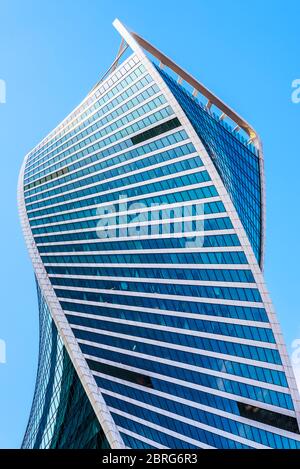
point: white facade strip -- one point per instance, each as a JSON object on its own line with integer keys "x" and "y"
{"x": 144, "y": 266}
{"x": 145, "y": 251}
{"x": 186, "y": 234}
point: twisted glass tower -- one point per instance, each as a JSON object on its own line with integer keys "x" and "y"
{"x": 143, "y": 213}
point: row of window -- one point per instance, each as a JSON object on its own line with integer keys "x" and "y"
{"x": 213, "y": 275}
{"x": 152, "y": 365}
{"x": 119, "y": 196}
{"x": 149, "y": 313}
{"x": 208, "y": 224}
{"x": 143, "y": 96}
{"x": 138, "y": 226}
{"x": 260, "y": 334}
{"x": 179, "y": 388}
{"x": 202, "y": 291}
{"x": 176, "y": 241}
{"x": 166, "y": 197}
{"x": 179, "y": 305}
{"x": 83, "y": 129}
{"x": 237, "y": 165}
{"x": 230, "y": 257}
{"x": 103, "y": 313}
{"x": 138, "y": 112}
{"x": 197, "y": 109}
{"x": 108, "y": 155}
{"x": 147, "y": 121}
{"x": 140, "y": 212}
{"x": 84, "y": 110}
{"x": 191, "y": 233}
{"x": 49, "y": 177}
{"x": 243, "y": 430}
{"x": 165, "y": 337}
{"x": 123, "y": 173}
{"x": 164, "y": 439}
{"x": 153, "y": 244}
{"x": 168, "y": 168}
{"x": 179, "y": 357}
{"x": 118, "y": 165}
{"x": 230, "y": 386}
{"x": 235, "y": 428}
{"x": 189, "y": 230}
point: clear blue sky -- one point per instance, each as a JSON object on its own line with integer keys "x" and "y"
{"x": 51, "y": 54}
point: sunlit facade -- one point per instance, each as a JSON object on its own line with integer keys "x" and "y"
{"x": 143, "y": 213}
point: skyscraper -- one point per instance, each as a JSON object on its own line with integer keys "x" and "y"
{"x": 144, "y": 216}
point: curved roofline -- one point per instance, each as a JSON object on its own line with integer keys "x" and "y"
{"x": 133, "y": 39}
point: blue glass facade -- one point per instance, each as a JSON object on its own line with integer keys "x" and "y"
{"x": 152, "y": 275}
